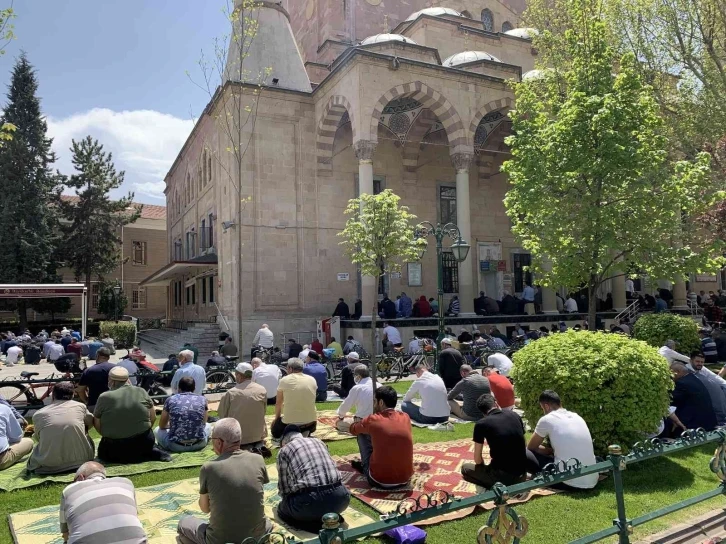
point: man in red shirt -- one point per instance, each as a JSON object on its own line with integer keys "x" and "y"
{"x": 74, "y": 347}
{"x": 385, "y": 442}
{"x": 501, "y": 387}
{"x": 317, "y": 347}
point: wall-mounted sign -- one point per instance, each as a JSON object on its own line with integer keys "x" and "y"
{"x": 706, "y": 277}
{"x": 414, "y": 275}
{"x": 502, "y": 266}
{"x": 395, "y": 275}
{"x": 484, "y": 266}
{"x": 343, "y": 276}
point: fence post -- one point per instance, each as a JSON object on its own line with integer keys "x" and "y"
{"x": 331, "y": 528}
{"x": 622, "y": 522}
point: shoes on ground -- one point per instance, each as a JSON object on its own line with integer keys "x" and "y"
{"x": 357, "y": 465}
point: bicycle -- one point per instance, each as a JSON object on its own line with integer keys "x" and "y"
{"x": 401, "y": 364}
{"x": 20, "y": 393}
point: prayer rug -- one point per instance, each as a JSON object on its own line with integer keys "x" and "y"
{"x": 326, "y": 430}
{"x": 437, "y": 467}
{"x": 160, "y": 508}
{"x": 16, "y": 476}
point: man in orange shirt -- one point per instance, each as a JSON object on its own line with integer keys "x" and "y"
{"x": 379, "y": 434}
{"x": 501, "y": 387}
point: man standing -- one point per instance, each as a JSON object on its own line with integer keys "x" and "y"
{"x": 61, "y": 430}
{"x": 94, "y": 379}
{"x": 228, "y": 349}
{"x": 568, "y": 436}
{"x": 571, "y": 305}
{"x": 714, "y": 383}
{"x": 188, "y": 368}
{"x": 470, "y": 387}
{"x": 183, "y": 424}
{"x": 264, "y": 339}
{"x": 391, "y": 336}
{"x": 501, "y": 387}
{"x": 295, "y": 403}
{"x": 434, "y": 402}
{"x": 450, "y": 361}
{"x": 268, "y": 376}
{"x": 528, "y": 295}
{"x": 379, "y": 434}
{"x": 309, "y": 483}
{"x": 13, "y": 447}
{"x": 123, "y": 417}
{"x": 231, "y": 491}
{"x": 246, "y": 402}
{"x": 406, "y": 305}
{"x": 114, "y": 518}
{"x": 317, "y": 371}
{"x": 504, "y": 434}
{"x": 342, "y": 310}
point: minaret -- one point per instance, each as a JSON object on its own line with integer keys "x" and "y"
{"x": 271, "y": 57}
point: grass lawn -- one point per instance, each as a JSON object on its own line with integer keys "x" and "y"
{"x": 553, "y": 520}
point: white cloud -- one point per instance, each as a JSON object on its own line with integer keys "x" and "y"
{"x": 144, "y": 143}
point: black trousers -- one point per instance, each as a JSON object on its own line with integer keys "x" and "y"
{"x": 272, "y": 400}
{"x": 305, "y": 509}
{"x": 278, "y": 427}
{"x": 134, "y": 449}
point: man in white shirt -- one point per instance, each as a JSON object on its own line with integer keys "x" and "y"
{"x": 391, "y": 336}
{"x": 264, "y": 337}
{"x": 669, "y": 352}
{"x": 501, "y": 362}
{"x": 268, "y": 376}
{"x": 14, "y": 354}
{"x": 629, "y": 287}
{"x": 360, "y": 396}
{"x": 304, "y": 353}
{"x": 569, "y": 438}
{"x": 46, "y": 347}
{"x": 570, "y": 305}
{"x": 55, "y": 351}
{"x": 434, "y": 398}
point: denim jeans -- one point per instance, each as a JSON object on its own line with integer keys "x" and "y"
{"x": 414, "y": 412}
{"x": 162, "y": 438}
{"x": 306, "y": 508}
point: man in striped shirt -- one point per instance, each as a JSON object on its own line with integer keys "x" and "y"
{"x": 99, "y": 510}
{"x": 708, "y": 346}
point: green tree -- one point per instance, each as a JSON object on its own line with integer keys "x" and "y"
{"x": 379, "y": 237}
{"x": 109, "y": 303}
{"x": 593, "y": 191}
{"x": 92, "y": 241}
{"x": 52, "y": 306}
{"x": 6, "y": 36}
{"x": 28, "y": 186}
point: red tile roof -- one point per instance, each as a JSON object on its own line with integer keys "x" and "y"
{"x": 149, "y": 211}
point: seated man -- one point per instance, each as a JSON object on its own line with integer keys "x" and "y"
{"x": 347, "y": 381}
{"x": 503, "y": 431}
{"x": 215, "y": 360}
{"x": 692, "y": 402}
{"x": 94, "y": 379}
{"x": 183, "y": 424}
{"x": 501, "y": 362}
{"x": 170, "y": 366}
{"x": 93, "y": 347}
{"x": 335, "y": 346}
{"x": 450, "y": 361}
{"x": 501, "y": 387}
{"x": 715, "y": 385}
{"x": 187, "y": 367}
{"x": 295, "y": 403}
{"x": 123, "y": 417}
{"x": 268, "y": 376}
{"x": 379, "y": 435}
{"x": 568, "y": 436}
{"x": 708, "y": 346}
{"x": 360, "y": 398}
{"x": 246, "y": 402}
{"x": 434, "y": 402}
{"x": 314, "y": 369}
{"x": 309, "y": 483}
{"x": 231, "y": 491}
{"x": 13, "y": 447}
{"x": 114, "y": 519}
{"x": 61, "y": 430}
{"x": 471, "y": 387}
{"x": 293, "y": 348}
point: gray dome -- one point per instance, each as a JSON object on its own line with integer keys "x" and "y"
{"x": 434, "y": 12}
{"x": 469, "y": 56}
{"x": 524, "y": 33}
{"x": 382, "y": 38}
{"x": 536, "y": 75}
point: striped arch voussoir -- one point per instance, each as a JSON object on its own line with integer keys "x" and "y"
{"x": 494, "y": 105}
{"x": 431, "y": 99}
{"x": 336, "y": 107}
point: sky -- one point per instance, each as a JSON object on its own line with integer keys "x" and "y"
{"x": 118, "y": 71}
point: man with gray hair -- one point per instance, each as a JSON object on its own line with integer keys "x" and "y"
{"x": 246, "y": 402}
{"x": 231, "y": 491}
{"x": 116, "y": 521}
{"x": 295, "y": 404}
{"x": 187, "y": 367}
{"x": 360, "y": 396}
{"x": 669, "y": 352}
{"x": 470, "y": 388}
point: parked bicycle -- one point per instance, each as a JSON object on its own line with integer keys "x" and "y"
{"x": 400, "y": 364}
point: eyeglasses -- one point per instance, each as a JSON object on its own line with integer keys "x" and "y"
{"x": 217, "y": 438}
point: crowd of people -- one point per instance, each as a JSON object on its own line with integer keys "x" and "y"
{"x": 64, "y": 346}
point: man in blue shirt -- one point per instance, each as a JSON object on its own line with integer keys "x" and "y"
{"x": 94, "y": 379}
{"x": 316, "y": 370}
{"x": 660, "y": 304}
{"x": 13, "y": 447}
{"x": 93, "y": 348}
{"x": 183, "y": 425}
{"x": 188, "y": 368}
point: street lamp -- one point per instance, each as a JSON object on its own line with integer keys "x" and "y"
{"x": 116, "y": 292}
{"x": 459, "y": 248}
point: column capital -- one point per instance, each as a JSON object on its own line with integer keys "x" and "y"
{"x": 364, "y": 150}
{"x": 462, "y": 161}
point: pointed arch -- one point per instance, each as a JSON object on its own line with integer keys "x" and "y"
{"x": 505, "y": 103}
{"x": 333, "y": 113}
{"x": 414, "y": 140}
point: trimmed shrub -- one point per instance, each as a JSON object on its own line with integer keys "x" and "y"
{"x": 123, "y": 332}
{"x": 618, "y": 385}
{"x": 655, "y": 329}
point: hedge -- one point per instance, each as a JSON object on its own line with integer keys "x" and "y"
{"x": 122, "y": 332}
{"x": 618, "y": 385}
{"x": 655, "y": 329}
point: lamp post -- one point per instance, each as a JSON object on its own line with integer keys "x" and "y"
{"x": 116, "y": 293}
{"x": 459, "y": 248}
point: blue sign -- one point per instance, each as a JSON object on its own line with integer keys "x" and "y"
{"x": 484, "y": 266}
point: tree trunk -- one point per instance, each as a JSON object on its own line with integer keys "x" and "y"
{"x": 592, "y": 304}
{"x": 374, "y": 344}
{"x": 23, "y": 314}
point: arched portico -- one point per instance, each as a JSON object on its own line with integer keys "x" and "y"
{"x": 334, "y": 112}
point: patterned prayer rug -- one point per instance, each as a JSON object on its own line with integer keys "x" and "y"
{"x": 160, "y": 508}
{"x": 326, "y": 430}
{"x": 437, "y": 466}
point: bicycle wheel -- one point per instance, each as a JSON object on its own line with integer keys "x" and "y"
{"x": 156, "y": 390}
{"x": 18, "y": 396}
{"x": 386, "y": 365}
{"x": 220, "y": 379}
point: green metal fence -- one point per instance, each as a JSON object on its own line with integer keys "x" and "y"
{"x": 505, "y": 526}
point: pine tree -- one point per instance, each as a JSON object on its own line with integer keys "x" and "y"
{"x": 94, "y": 221}
{"x": 29, "y": 187}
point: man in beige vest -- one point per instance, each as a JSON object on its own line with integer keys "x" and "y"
{"x": 246, "y": 402}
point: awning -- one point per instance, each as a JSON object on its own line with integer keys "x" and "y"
{"x": 180, "y": 268}
{"x": 41, "y": 290}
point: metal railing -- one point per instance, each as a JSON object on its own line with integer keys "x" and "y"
{"x": 219, "y": 314}
{"x": 629, "y": 313}
{"x": 301, "y": 337}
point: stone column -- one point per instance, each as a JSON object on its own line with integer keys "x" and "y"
{"x": 364, "y": 150}
{"x": 549, "y": 300}
{"x": 620, "y": 301}
{"x": 679, "y": 295}
{"x": 461, "y": 162}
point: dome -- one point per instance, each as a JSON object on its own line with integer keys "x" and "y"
{"x": 382, "y": 38}
{"x": 524, "y": 33}
{"x": 535, "y": 75}
{"x": 434, "y": 12}
{"x": 469, "y": 56}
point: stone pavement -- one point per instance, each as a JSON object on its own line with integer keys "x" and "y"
{"x": 709, "y": 528}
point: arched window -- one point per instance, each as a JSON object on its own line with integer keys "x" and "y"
{"x": 200, "y": 177}
{"x": 507, "y": 26}
{"x": 487, "y": 19}
{"x": 209, "y": 167}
